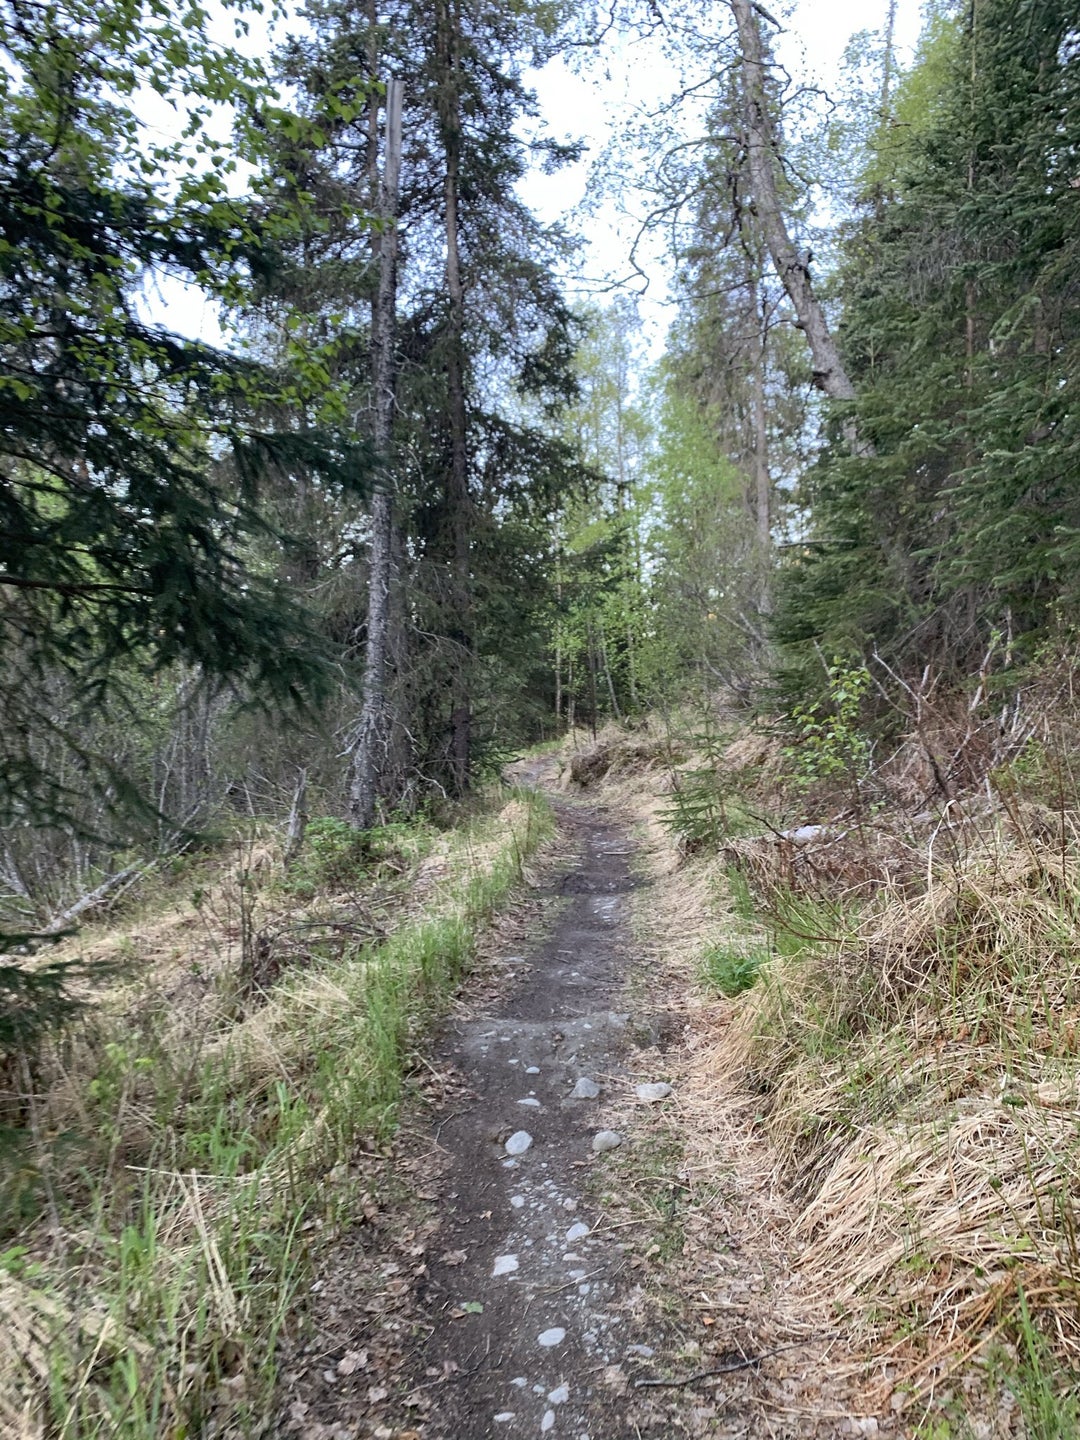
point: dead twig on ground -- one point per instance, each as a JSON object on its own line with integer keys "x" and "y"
{"x": 746, "y": 1364}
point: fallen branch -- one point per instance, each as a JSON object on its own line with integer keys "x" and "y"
{"x": 107, "y": 890}
{"x": 746, "y": 1364}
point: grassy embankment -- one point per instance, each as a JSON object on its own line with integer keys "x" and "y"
{"x": 199, "y": 1135}
{"x": 901, "y": 1019}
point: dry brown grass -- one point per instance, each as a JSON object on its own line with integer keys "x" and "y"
{"x": 614, "y": 753}
{"x": 901, "y": 1098}
{"x": 923, "y": 1083}
{"x": 210, "y": 1121}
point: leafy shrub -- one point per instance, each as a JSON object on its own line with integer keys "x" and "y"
{"x": 831, "y": 744}
{"x": 333, "y": 858}
{"x": 733, "y": 971}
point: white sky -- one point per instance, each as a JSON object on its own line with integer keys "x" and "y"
{"x": 598, "y": 100}
{"x": 629, "y": 79}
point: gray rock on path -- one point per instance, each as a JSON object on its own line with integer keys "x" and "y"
{"x": 518, "y": 1143}
{"x": 555, "y": 1336}
{"x": 606, "y": 1140}
{"x": 660, "y": 1090}
{"x": 585, "y": 1089}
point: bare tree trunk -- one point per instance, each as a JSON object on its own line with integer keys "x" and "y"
{"x": 632, "y": 553}
{"x": 762, "y": 479}
{"x": 298, "y": 818}
{"x": 888, "y": 60}
{"x": 592, "y": 680}
{"x": 372, "y": 738}
{"x": 792, "y": 267}
{"x": 558, "y": 643}
{"x": 607, "y": 675}
{"x": 457, "y": 484}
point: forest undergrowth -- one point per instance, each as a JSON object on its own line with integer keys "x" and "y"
{"x": 894, "y": 966}
{"x": 191, "y": 1144}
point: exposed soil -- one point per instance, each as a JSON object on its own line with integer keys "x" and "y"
{"x": 526, "y": 1302}
{"x": 522, "y": 1239}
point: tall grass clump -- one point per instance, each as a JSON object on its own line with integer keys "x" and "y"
{"x": 179, "y": 1179}
{"x": 923, "y": 1075}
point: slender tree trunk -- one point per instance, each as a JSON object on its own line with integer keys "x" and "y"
{"x": 792, "y": 268}
{"x": 969, "y": 283}
{"x": 632, "y": 567}
{"x": 457, "y": 481}
{"x": 762, "y": 479}
{"x": 607, "y": 675}
{"x": 888, "y": 60}
{"x": 373, "y": 739}
{"x": 592, "y": 680}
{"x": 558, "y": 643}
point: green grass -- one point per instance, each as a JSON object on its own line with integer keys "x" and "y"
{"x": 793, "y": 926}
{"x": 1049, "y": 1401}
{"x": 206, "y": 1189}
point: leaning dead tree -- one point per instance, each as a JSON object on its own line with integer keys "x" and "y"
{"x": 763, "y": 161}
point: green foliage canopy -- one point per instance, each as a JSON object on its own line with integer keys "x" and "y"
{"x": 131, "y": 459}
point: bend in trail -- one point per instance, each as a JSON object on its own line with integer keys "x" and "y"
{"x": 525, "y": 1323}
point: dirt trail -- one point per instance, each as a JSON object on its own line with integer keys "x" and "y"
{"x": 538, "y": 1258}
{"x": 528, "y": 1308}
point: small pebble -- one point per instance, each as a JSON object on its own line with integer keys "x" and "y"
{"x": 519, "y": 1142}
{"x": 530, "y": 1101}
{"x": 657, "y": 1091}
{"x": 503, "y": 1416}
{"x": 585, "y": 1089}
{"x": 555, "y": 1336}
{"x": 517, "y": 1201}
{"x": 646, "y": 1352}
{"x": 560, "y": 1395}
{"x": 576, "y": 1232}
{"x": 548, "y": 1422}
{"x": 532, "y": 1069}
{"x": 504, "y": 1265}
{"x": 520, "y": 1381}
{"x": 602, "y": 1140}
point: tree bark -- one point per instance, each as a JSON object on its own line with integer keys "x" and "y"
{"x": 372, "y": 738}
{"x": 762, "y": 479}
{"x": 888, "y": 61}
{"x": 558, "y": 643}
{"x": 457, "y": 480}
{"x": 792, "y": 267}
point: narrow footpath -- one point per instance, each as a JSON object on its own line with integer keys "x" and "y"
{"x": 522, "y": 1304}
{"x": 517, "y": 1287}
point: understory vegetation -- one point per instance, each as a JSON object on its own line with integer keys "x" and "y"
{"x": 324, "y": 492}
{"x": 193, "y": 1144}
{"x": 904, "y": 1027}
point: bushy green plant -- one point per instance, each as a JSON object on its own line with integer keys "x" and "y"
{"x": 831, "y": 743}
{"x": 334, "y": 857}
{"x": 732, "y": 970}
{"x": 701, "y": 811}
